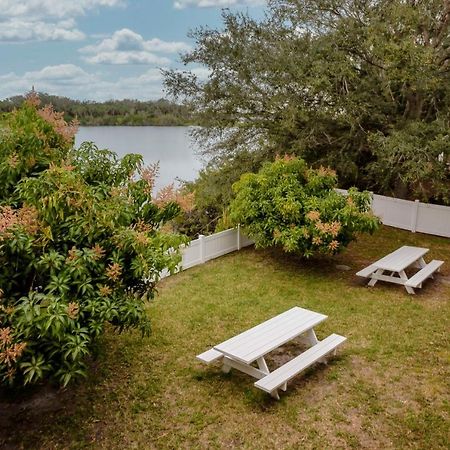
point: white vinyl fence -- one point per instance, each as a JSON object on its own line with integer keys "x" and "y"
{"x": 209, "y": 247}
{"x": 412, "y": 216}
{"x": 205, "y": 248}
{"x": 405, "y": 214}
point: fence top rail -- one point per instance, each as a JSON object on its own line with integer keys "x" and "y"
{"x": 400, "y": 200}
{"x": 221, "y": 233}
{"x": 434, "y": 206}
{"x": 214, "y": 236}
{"x": 190, "y": 244}
{"x": 392, "y": 199}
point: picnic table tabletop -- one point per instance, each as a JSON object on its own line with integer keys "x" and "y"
{"x": 401, "y": 258}
{"x": 269, "y": 335}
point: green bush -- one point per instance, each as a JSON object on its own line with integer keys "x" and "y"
{"x": 290, "y": 205}
{"x": 80, "y": 246}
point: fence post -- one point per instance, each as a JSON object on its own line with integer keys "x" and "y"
{"x": 414, "y": 215}
{"x": 201, "y": 239}
{"x": 239, "y": 236}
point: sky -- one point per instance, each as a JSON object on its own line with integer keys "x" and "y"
{"x": 101, "y": 49}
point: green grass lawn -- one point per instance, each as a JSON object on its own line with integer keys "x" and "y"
{"x": 387, "y": 388}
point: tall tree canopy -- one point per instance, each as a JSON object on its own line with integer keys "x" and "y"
{"x": 359, "y": 85}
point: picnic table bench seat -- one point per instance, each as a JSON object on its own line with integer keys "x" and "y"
{"x": 424, "y": 273}
{"x": 367, "y": 271}
{"x": 279, "y": 377}
{"x": 209, "y": 356}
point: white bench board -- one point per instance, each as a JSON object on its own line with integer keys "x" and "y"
{"x": 400, "y": 259}
{"x": 292, "y": 368}
{"x": 209, "y": 356}
{"x": 424, "y": 273}
{"x": 366, "y": 272}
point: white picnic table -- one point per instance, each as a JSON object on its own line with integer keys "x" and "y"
{"x": 396, "y": 263}
{"x": 251, "y": 346}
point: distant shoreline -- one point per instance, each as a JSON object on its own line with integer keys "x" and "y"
{"x": 137, "y": 126}
{"x": 133, "y": 113}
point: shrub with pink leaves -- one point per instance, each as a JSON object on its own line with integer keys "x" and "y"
{"x": 81, "y": 246}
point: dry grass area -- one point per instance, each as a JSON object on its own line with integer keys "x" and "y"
{"x": 387, "y": 388}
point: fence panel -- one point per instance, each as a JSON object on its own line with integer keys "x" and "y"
{"x": 393, "y": 211}
{"x": 220, "y": 244}
{"x": 245, "y": 241}
{"x": 205, "y": 248}
{"x": 413, "y": 216}
{"x": 433, "y": 219}
{"x": 191, "y": 255}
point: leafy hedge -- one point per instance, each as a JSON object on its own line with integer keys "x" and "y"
{"x": 80, "y": 246}
{"x": 296, "y": 207}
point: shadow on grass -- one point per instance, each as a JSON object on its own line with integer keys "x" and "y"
{"x": 46, "y": 416}
{"x": 239, "y": 386}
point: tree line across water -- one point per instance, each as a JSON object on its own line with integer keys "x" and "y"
{"x": 113, "y": 112}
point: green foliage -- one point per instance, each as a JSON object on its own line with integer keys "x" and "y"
{"x": 28, "y": 144}
{"x": 114, "y": 112}
{"x": 80, "y": 246}
{"x": 413, "y": 159}
{"x": 212, "y": 195}
{"x": 341, "y": 83}
{"x": 297, "y": 208}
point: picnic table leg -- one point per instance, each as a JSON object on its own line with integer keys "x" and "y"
{"x": 373, "y": 281}
{"x": 311, "y": 336}
{"x": 421, "y": 264}
{"x": 275, "y": 395}
{"x": 262, "y": 365}
{"x": 403, "y": 276}
{"x": 225, "y": 367}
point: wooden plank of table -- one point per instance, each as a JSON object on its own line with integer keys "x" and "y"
{"x": 401, "y": 258}
{"x": 265, "y": 337}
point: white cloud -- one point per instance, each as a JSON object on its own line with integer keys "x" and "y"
{"x": 16, "y": 30}
{"x": 127, "y": 47}
{"x": 126, "y": 58}
{"x": 45, "y": 20}
{"x": 74, "y": 82}
{"x": 51, "y": 8}
{"x": 61, "y": 74}
{"x": 49, "y": 79}
{"x": 181, "y": 4}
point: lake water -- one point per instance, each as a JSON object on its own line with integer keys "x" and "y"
{"x": 171, "y": 146}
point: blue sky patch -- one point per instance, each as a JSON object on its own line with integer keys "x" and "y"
{"x": 100, "y": 49}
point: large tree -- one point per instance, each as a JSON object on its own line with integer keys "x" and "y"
{"x": 360, "y": 85}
